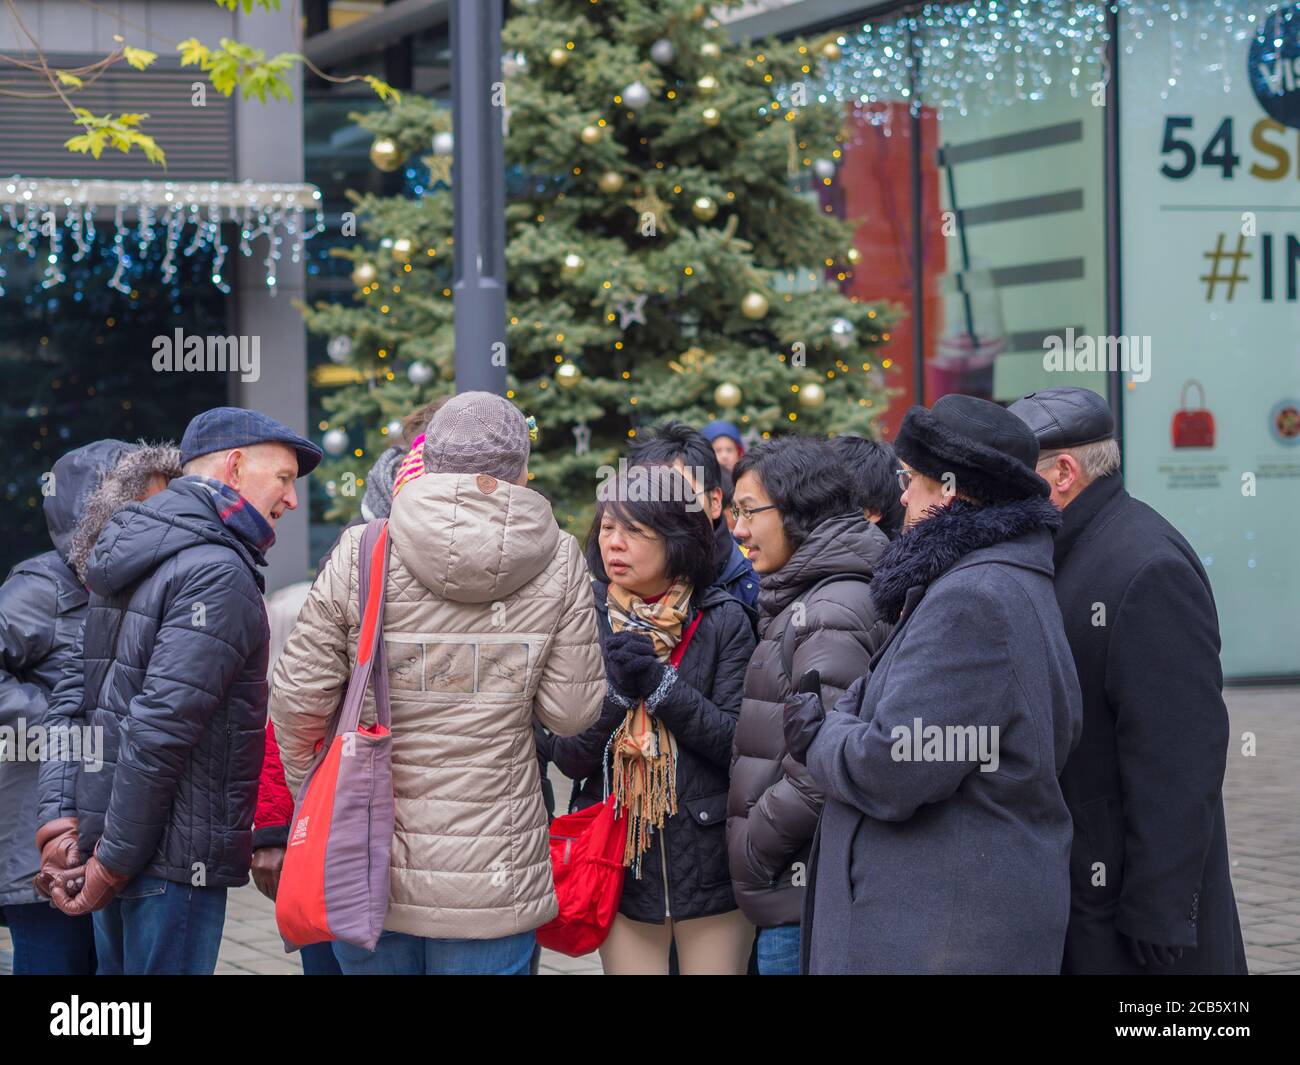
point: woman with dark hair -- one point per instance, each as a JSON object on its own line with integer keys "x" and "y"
{"x": 676, "y": 646}
{"x": 873, "y": 479}
{"x": 797, "y": 515}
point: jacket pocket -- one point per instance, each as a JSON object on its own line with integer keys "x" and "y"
{"x": 709, "y": 814}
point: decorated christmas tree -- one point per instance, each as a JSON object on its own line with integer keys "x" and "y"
{"x": 670, "y": 248}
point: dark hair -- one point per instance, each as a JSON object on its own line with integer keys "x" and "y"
{"x": 669, "y": 441}
{"x": 417, "y": 421}
{"x": 687, "y": 533}
{"x": 872, "y": 467}
{"x": 803, "y": 477}
{"x": 728, "y": 487}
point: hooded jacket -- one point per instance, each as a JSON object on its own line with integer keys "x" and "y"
{"x": 773, "y": 804}
{"x": 174, "y": 673}
{"x": 944, "y": 844}
{"x": 488, "y": 623}
{"x": 42, "y": 607}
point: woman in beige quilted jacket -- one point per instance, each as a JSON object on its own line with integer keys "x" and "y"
{"x": 489, "y": 624}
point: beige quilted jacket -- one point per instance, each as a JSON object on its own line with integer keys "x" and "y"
{"x": 489, "y": 622}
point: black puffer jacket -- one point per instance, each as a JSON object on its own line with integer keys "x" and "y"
{"x": 773, "y": 806}
{"x": 179, "y": 689}
{"x": 42, "y": 606}
{"x": 700, "y": 710}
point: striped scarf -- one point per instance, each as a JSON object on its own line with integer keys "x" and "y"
{"x": 645, "y": 752}
{"x": 412, "y": 466}
{"x": 237, "y": 514}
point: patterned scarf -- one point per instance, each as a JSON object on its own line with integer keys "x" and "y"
{"x": 412, "y": 466}
{"x": 237, "y": 514}
{"x": 645, "y": 752}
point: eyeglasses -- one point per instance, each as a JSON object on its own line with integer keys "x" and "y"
{"x": 904, "y": 479}
{"x": 739, "y": 513}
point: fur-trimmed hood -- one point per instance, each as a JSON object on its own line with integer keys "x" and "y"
{"x": 930, "y": 548}
{"x": 125, "y": 481}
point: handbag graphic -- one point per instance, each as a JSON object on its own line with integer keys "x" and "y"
{"x": 1192, "y": 426}
{"x": 334, "y": 883}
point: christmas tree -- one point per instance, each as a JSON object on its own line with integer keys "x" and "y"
{"x": 669, "y": 252}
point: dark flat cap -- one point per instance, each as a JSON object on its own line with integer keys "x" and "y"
{"x": 223, "y": 428}
{"x": 1065, "y": 417}
{"x": 989, "y": 451}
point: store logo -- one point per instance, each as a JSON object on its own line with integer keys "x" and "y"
{"x": 1275, "y": 65}
{"x": 211, "y": 354}
{"x": 1284, "y": 422}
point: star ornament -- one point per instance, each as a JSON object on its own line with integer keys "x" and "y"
{"x": 439, "y": 168}
{"x": 630, "y": 311}
{"x": 650, "y": 203}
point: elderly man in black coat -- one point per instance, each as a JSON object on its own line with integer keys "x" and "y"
{"x": 1150, "y": 890}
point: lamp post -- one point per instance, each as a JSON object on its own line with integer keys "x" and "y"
{"x": 478, "y": 191}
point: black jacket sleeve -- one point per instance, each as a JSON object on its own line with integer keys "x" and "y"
{"x": 57, "y": 783}
{"x": 28, "y": 605}
{"x": 1165, "y": 683}
{"x": 580, "y": 756}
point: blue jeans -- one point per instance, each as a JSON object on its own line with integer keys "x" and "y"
{"x": 47, "y": 942}
{"x": 318, "y": 960}
{"x": 778, "y": 951}
{"x": 161, "y": 927}
{"x": 400, "y": 954}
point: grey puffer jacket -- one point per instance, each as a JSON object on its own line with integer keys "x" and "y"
{"x": 42, "y": 606}
{"x": 175, "y": 652}
{"x": 773, "y": 804}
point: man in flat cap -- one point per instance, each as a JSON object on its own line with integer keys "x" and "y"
{"x": 174, "y": 673}
{"x": 1150, "y": 890}
{"x": 944, "y": 842}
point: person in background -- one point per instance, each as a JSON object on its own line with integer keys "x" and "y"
{"x": 665, "y": 730}
{"x": 274, "y": 811}
{"x": 944, "y": 842}
{"x": 872, "y": 471}
{"x": 488, "y": 623}
{"x": 1145, "y": 786}
{"x": 814, "y": 553}
{"x": 676, "y": 444}
{"x": 42, "y": 607}
{"x": 401, "y": 459}
{"x": 174, "y": 651}
{"x": 725, "y": 440}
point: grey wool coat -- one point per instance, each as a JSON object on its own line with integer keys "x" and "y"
{"x": 925, "y": 862}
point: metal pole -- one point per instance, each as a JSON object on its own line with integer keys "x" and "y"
{"x": 478, "y": 190}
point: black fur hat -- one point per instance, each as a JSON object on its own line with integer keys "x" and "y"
{"x": 988, "y": 450}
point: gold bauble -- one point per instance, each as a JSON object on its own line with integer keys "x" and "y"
{"x": 832, "y": 51}
{"x": 710, "y": 50}
{"x": 705, "y": 208}
{"x": 567, "y": 374}
{"x": 386, "y": 155}
{"x": 727, "y": 395}
{"x": 854, "y": 256}
{"x": 711, "y": 115}
{"x": 697, "y": 12}
{"x": 573, "y": 263}
{"x": 754, "y": 305}
{"x": 364, "y": 274}
{"x": 707, "y": 84}
{"x": 557, "y": 57}
{"x": 812, "y": 396}
{"x": 402, "y": 250}
{"x": 590, "y": 134}
{"x": 610, "y": 182}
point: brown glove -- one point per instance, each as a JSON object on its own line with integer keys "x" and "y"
{"x": 267, "y": 863}
{"x": 88, "y": 888}
{"x": 57, "y": 842}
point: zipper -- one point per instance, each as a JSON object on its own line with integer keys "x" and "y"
{"x": 663, "y": 868}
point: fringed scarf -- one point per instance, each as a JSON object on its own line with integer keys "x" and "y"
{"x": 645, "y": 752}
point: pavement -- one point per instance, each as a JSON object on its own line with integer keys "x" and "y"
{"x": 1261, "y": 797}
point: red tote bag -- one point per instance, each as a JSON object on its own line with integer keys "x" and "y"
{"x": 334, "y": 882}
{"x": 587, "y": 863}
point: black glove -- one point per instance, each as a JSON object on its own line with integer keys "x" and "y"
{"x": 803, "y": 715}
{"x": 1151, "y": 954}
{"x": 633, "y": 668}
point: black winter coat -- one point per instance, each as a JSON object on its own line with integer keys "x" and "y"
{"x": 42, "y": 607}
{"x": 175, "y": 660}
{"x": 1145, "y": 785}
{"x": 700, "y": 709}
{"x": 773, "y": 804}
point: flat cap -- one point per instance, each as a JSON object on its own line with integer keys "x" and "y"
{"x": 1065, "y": 417}
{"x": 223, "y": 428}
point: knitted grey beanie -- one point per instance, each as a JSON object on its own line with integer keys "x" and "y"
{"x": 477, "y": 432}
